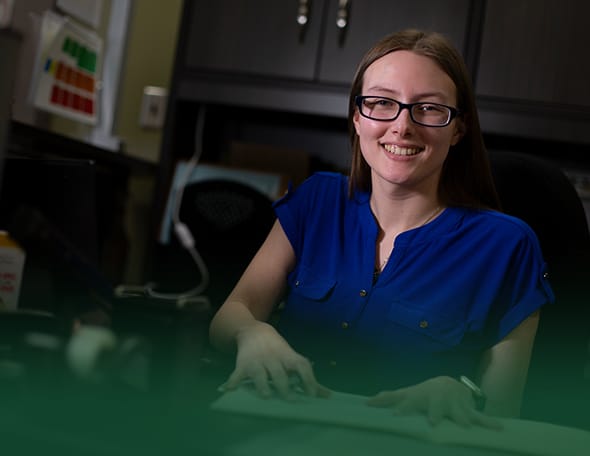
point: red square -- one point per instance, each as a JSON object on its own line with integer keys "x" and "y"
{"x": 68, "y": 99}
{"x": 89, "y": 106}
{"x": 77, "y": 102}
{"x": 55, "y": 94}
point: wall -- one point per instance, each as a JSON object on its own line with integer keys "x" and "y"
{"x": 150, "y": 55}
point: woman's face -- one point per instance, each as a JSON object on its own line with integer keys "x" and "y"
{"x": 400, "y": 151}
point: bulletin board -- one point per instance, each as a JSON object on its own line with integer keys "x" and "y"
{"x": 66, "y": 78}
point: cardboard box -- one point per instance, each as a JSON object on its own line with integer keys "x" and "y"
{"x": 292, "y": 163}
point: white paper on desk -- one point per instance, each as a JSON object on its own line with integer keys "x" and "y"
{"x": 517, "y": 436}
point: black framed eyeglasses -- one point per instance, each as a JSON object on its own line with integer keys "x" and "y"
{"x": 422, "y": 113}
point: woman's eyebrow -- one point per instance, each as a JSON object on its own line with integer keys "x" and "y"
{"x": 418, "y": 96}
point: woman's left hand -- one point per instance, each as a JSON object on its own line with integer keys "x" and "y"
{"x": 437, "y": 398}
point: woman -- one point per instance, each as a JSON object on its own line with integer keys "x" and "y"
{"x": 403, "y": 277}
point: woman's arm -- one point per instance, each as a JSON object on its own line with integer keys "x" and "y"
{"x": 503, "y": 376}
{"x": 256, "y": 293}
{"x": 504, "y": 369}
{"x": 263, "y": 356}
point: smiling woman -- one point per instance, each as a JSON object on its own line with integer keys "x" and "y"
{"x": 459, "y": 284}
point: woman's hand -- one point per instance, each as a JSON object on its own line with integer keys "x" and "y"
{"x": 437, "y": 398}
{"x": 266, "y": 359}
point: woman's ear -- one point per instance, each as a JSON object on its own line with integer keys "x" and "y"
{"x": 355, "y": 120}
{"x": 459, "y": 131}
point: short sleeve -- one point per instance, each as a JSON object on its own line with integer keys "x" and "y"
{"x": 527, "y": 286}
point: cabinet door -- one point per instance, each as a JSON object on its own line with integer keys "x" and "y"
{"x": 536, "y": 50}
{"x": 259, "y": 37}
{"x": 369, "y": 20}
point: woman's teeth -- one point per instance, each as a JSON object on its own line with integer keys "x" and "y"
{"x": 397, "y": 150}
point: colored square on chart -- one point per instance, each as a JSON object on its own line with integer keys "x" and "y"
{"x": 89, "y": 106}
{"x": 60, "y": 76}
{"x": 56, "y": 95}
{"x": 77, "y": 102}
{"x": 68, "y": 98}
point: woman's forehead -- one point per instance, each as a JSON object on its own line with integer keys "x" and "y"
{"x": 408, "y": 73}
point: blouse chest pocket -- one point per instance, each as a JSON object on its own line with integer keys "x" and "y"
{"x": 309, "y": 296}
{"x": 424, "y": 329}
{"x": 315, "y": 289}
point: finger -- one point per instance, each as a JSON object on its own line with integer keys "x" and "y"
{"x": 481, "y": 419}
{"x": 435, "y": 413}
{"x": 261, "y": 383}
{"x": 309, "y": 382}
{"x": 387, "y": 398}
{"x": 280, "y": 380}
{"x": 407, "y": 407}
{"x": 461, "y": 415}
{"x": 323, "y": 391}
{"x": 233, "y": 381}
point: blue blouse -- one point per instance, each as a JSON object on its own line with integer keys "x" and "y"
{"x": 451, "y": 288}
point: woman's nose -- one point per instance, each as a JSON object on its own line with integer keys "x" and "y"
{"x": 403, "y": 123}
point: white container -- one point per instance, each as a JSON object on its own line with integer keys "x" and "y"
{"x": 12, "y": 262}
{"x": 6, "y": 8}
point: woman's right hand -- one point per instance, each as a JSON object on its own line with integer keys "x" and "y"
{"x": 269, "y": 362}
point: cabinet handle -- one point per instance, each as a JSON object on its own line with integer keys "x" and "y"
{"x": 303, "y": 17}
{"x": 342, "y": 17}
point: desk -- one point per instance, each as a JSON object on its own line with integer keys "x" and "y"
{"x": 164, "y": 407}
{"x": 103, "y": 425}
{"x": 98, "y": 419}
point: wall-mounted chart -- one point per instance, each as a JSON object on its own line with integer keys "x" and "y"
{"x": 66, "y": 80}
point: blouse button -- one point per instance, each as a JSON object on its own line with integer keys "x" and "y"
{"x": 363, "y": 293}
{"x": 423, "y": 324}
{"x": 345, "y": 325}
{"x": 297, "y": 283}
{"x": 546, "y": 275}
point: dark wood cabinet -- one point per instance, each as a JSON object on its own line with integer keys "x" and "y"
{"x": 256, "y": 37}
{"x": 342, "y": 48}
{"x": 265, "y": 38}
{"x": 532, "y": 75}
{"x": 535, "y": 51}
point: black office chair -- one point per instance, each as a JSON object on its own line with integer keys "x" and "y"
{"x": 539, "y": 193}
{"x": 229, "y": 221}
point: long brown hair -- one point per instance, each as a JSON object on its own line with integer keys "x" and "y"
{"x": 466, "y": 179}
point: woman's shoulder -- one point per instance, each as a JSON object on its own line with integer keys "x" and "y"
{"x": 321, "y": 183}
{"x": 326, "y": 179}
{"x": 499, "y": 223}
{"x": 318, "y": 189}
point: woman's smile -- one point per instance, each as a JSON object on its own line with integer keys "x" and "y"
{"x": 402, "y": 151}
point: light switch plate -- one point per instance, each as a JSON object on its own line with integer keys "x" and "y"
{"x": 153, "y": 107}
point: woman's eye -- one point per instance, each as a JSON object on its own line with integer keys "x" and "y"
{"x": 383, "y": 103}
{"x": 429, "y": 108}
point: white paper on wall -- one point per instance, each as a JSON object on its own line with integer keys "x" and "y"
{"x": 88, "y": 11}
{"x": 67, "y": 69}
